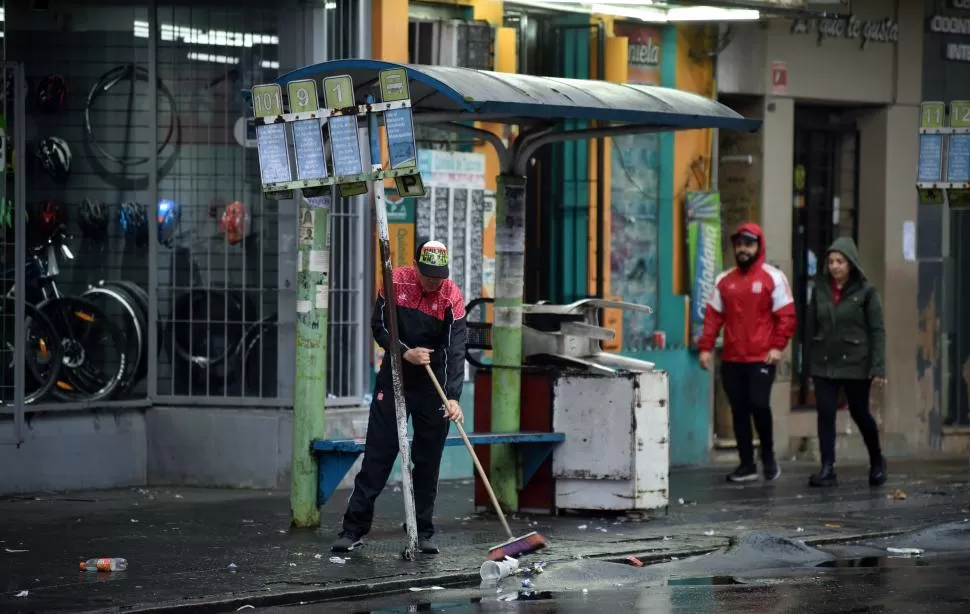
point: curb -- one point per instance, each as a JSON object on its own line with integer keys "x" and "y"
{"x": 450, "y": 580}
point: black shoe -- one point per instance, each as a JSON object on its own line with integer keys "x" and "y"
{"x": 346, "y": 542}
{"x": 426, "y": 546}
{"x": 877, "y": 472}
{"x": 825, "y": 478}
{"x": 744, "y": 473}
{"x": 771, "y": 470}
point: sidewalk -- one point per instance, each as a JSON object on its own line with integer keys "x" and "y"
{"x": 187, "y": 547}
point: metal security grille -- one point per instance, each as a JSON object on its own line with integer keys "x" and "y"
{"x": 152, "y": 183}
{"x": 217, "y": 290}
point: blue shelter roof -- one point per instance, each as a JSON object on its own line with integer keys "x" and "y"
{"x": 444, "y": 93}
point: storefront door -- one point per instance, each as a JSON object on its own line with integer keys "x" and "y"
{"x": 825, "y": 203}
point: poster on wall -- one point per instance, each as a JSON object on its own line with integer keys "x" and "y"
{"x": 634, "y": 201}
{"x": 704, "y": 253}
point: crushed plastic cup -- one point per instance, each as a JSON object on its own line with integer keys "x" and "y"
{"x": 493, "y": 571}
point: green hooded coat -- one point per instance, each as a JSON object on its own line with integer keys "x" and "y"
{"x": 848, "y": 339}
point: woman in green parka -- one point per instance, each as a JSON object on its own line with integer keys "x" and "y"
{"x": 848, "y": 351}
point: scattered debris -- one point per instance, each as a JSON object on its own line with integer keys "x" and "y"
{"x": 635, "y": 561}
{"x": 292, "y": 564}
{"x": 602, "y": 530}
{"x": 709, "y": 532}
{"x": 134, "y": 521}
{"x": 799, "y": 530}
{"x": 585, "y": 590}
{"x": 527, "y": 583}
{"x": 897, "y": 495}
{"x": 416, "y": 589}
{"x": 23, "y": 594}
{"x": 232, "y": 566}
{"x": 318, "y": 556}
{"x": 245, "y": 607}
{"x": 336, "y": 560}
{"x": 508, "y": 596}
{"x": 832, "y": 525}
{"x": 582, "y": 527}
{"x": 14, "y": 550}
{"x": 178, "y": 496}
{"x": 905, "y": 551}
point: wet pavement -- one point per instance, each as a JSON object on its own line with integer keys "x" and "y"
{"x": 925, "y": 585}
{"x": 224, "y": 549}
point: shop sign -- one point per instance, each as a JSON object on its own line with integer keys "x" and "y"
{"x": 952, "y": 25}
{"x": 959, "y": 4}
{"x": 849, "y": 27}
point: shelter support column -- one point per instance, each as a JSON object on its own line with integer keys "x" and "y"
{"x": 507, "y": 331}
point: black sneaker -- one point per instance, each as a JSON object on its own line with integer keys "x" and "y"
{"x": 825, "y": 478}
{"x": 426, "y": 546}
{"x": 346, "y": 542}
{"x": 877, "y": 472}
{"x": 744, "y": 473}
{"x": 771, "y": 470}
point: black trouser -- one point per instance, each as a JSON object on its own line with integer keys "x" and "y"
{"x": 748, "y": 390}
{"x": 826, "y": 401}
{"x": 430, "y": 431}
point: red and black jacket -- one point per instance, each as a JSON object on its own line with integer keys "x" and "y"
{"x": 433, "y": 320}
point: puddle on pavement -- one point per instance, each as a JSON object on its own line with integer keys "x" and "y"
{"x": 877, "y": 561}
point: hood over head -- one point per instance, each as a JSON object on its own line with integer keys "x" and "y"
{"x": 752, "y": 230}
{"x": 845, "y": 246}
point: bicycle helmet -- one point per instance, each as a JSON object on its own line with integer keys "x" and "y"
{"x": 51, "y": 94}
{"x": 55, "y": 158}
{"x": 168, "y": 217}
{"x": 133, "y": 222}
{"x": 236, "y": 222}
{"x": 94, "y": 220}
{"x": 47, "y": 220}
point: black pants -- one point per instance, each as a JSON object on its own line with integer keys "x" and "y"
{"x": 430, "y": 431}
{"x": 748, "y": 390}
{"x": 826, "y": 401}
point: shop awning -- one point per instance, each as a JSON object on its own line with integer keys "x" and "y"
{"x": 445, "y": 94}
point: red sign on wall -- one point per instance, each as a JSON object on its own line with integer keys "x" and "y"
{"x": 779, "y": 78}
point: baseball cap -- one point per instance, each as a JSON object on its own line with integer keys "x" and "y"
{"x": 747, "y": 235}
{"x": 432, "y": 257}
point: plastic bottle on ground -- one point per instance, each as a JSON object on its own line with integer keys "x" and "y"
{"x": 104, "y": 564}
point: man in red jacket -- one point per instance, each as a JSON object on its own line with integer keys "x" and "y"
{"x": 753, "y": 302}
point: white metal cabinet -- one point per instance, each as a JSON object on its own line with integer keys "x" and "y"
{"x": 616, "y": 453}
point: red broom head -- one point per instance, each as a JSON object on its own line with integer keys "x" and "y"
{"x": 517, "y": 547}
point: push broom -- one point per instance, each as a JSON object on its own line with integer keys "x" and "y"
{"x": 515, "y": 546}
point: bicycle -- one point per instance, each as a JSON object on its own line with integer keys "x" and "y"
{"x": 73, "y": 321}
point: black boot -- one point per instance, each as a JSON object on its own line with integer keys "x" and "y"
{"x": 877, "y": 472}
{"x": 824, "y": 478}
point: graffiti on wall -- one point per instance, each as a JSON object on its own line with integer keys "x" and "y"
{"x": 635, "y": 201}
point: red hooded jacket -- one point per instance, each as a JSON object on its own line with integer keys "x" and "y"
{"x": 755, "y": 307}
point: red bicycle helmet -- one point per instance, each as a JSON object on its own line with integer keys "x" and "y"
{"x": 235, "y": 222}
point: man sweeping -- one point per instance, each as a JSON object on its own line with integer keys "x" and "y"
{"x": 754, "y": 304}
{"x": 431, "y": 321}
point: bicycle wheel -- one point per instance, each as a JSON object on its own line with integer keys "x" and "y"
{"x": 94, "y": 359}
{"x": 42, "y": 353}
{"x": 122, "y": 308}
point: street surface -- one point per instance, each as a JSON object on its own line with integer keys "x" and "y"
{"x": 220, "y": 550}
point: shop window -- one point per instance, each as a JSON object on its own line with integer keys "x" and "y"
{"x": 219, "y": 238}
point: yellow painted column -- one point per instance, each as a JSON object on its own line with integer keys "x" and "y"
{"x": 617, "y": 71}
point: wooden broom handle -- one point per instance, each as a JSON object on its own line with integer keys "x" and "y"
{"x": 471, "y": 450}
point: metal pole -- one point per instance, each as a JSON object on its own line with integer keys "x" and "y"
{"x": 310, "y": 384}
{"x": 152, "y": 371}
{"x": 507, "y": 331}
{"x": 20, "y": 248}
{"x": 393, "y": 352}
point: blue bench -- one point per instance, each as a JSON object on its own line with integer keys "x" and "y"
{"x": 335, "y": 457}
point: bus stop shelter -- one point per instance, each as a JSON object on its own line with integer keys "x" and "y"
{"x": 546, "y": 110}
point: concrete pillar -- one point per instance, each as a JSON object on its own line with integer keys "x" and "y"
{"x": 778, "y": 147}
